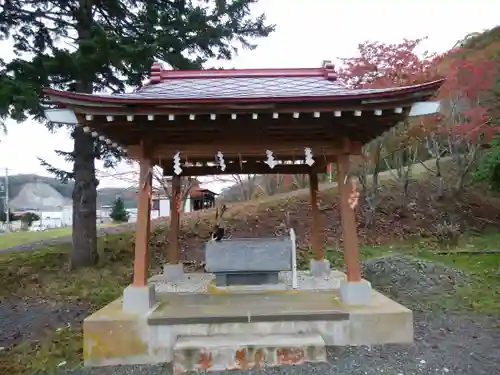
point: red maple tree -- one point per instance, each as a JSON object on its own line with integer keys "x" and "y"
{"x": 381, "y": 65}
{"x": 465, "y": 93}
{"x": 466, "y": 97}
{"x": 463, "y": 125}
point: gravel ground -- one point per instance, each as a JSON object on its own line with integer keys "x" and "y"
{"x": 445, "y": 342}
{"x": 21, "y": 320}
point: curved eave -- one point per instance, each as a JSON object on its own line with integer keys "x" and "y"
{"x": 57, "y": 96}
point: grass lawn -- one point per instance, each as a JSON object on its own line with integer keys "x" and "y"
{"x": 14, "y": 239}
{"x": 44, "y": 275}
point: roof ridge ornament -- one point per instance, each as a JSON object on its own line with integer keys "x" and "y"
{"x": 329, "y": 70}
{"x": 156, "y": 72}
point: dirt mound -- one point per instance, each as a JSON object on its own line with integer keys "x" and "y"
{"x": 410, "y": 280}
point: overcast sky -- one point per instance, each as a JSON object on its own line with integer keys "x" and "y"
{"x": 308, "y": 32}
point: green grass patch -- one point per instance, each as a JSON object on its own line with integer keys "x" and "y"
{"x": 13, "y": 239}
{"x": 9, "y": 240}
{"x": 45, "y": 274}
{"x": 482, "y": 294}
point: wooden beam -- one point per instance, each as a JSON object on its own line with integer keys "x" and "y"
{"x": 187, "y": 131}
{"x": 249, "y": 149}
{"x": 256, "y": 134}
{"x": 173, "y": 256}
{"x": 248, "y": 168}
{"x": 141, "y": 256}
{"x": 316, "y": 230}
{"x": 209, "y": 161}
{"x": 263, "y": 109}
{"x": 348, "y": 219}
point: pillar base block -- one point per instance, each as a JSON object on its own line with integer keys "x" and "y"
{"x": 173, "y": 272}
{"x": 320, "y": 268}
{"x": 356, "y": 293}
{"x": 139, "y": 299}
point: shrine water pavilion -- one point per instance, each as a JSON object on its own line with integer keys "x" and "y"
{"x": 252, "y": 308}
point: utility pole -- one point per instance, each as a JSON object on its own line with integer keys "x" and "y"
{"x": 7, "y": 211}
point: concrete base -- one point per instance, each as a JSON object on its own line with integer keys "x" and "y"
{"x": 139, "y": 300}
{"x": 320, "y": 268}
{"x": 173, "y": 272}
{"x": 113, "y": 336}
{"x": 356, "y": 293}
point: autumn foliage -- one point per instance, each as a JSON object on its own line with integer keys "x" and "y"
{"x": 459, "y": 131}
{"x": 465, "y": 92}
{"x": 381, "y": 65}
{"x": 467, "y": 97}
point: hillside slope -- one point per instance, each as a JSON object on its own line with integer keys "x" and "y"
{"x": 473, "y": 212}
{"x": 59, "y": 192}
{"x": 38, "y": 196}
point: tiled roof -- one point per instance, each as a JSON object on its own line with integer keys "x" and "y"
{"x": 242, "y": 85}
{"x": 241, "y": 88}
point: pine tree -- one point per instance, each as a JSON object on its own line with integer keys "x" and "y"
{"x": 118, "y": 213}
{"x": 96, "y": 45}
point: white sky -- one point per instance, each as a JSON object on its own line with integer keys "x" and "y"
{"x": 306, "y": 35}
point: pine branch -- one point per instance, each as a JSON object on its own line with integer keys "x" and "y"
{"x": 68, "y": 156}
{"x": 60, "y": 174}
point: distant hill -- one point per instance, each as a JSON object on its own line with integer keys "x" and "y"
{"x": 41, "y": 192}
{"x": 38, "y": 196}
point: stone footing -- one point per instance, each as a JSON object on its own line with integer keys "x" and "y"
{"x": 173, "y": 272}
{"x": 320, "y": 268}
{"x": 356, "y": 293}
{"x": 139, "y": 300}
{"x": 235, "y": 352}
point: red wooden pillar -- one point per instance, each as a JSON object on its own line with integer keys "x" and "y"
{"x": 316, "y": 230}
{"x": 173, "y": 256}
{"x": 141, "y": 259}
{"x": 348, "y": 219}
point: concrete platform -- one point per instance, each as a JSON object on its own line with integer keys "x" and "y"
{"x": 113, "y": 337}
{"x": 246, "y": 308}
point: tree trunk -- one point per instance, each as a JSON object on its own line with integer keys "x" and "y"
{"x": 84, "y": 252}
